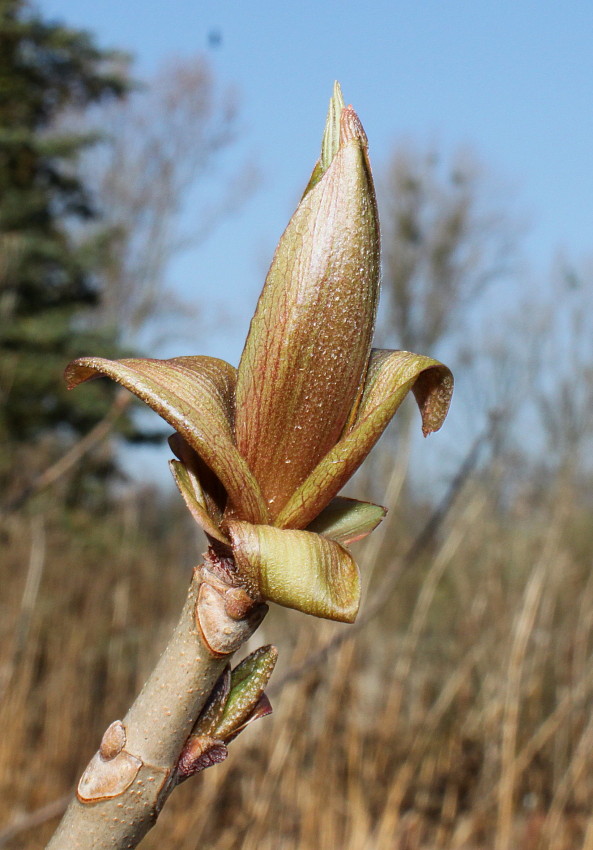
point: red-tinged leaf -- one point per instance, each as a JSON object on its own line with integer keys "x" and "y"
{"x": 199, "y": 753}
{"x": 195, "y": 396}
{"x": 215, "y": 495}
{"x": 298, "y": 569}
{"x": 194, "y": 498}
{"x": 309, "y": 341}
{"x": 347, "y": 520}
{"x": 391, "y": 375}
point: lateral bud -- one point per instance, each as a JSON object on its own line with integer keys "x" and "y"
{"x": 226, "y": 616}
{"x": 113, "y": 741}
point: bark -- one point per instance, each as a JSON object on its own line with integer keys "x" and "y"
{"x": 126, "y": 783}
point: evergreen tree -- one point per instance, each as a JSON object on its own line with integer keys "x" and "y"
{"x": 48, "y": 278}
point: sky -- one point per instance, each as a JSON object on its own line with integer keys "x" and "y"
{"x": 511, "y": 79}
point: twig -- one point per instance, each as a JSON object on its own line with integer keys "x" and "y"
{"x": 381, "y": 597}
{"x": 35, "y": 818}
{"x": 54, "y": 472}
{"x": 135, "y": 769}
{"x": 29, "y": 598}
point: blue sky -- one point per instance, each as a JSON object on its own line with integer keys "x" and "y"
{"x": 512, "y": 79}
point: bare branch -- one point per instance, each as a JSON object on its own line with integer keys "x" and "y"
{"x": 162, "y": 145}
{"x": 441, "y": 246}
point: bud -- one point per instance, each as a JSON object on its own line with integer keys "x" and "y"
{"x": 309, "y": 342}
{"x": 263, "y": 451}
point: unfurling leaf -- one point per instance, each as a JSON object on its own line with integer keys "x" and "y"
{"x": 194, "y": 498}
{"x": 298, "y": 569}
{"x": 195, "y": 396}
{"x": 347, "y": 520}
{"x": 215, "y": 496}
{"x": 391, "y": 375}
{"x": 263, "y": 451}
{"x": 236, "y": 701}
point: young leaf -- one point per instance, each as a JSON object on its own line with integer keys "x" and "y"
{"x": 215, "y": 496}
{"x": 331, "y": 137}
{"x": 298, "y": 569}
{"x": 195, "y": 396}
{"x": 391, "y": 375}
{"x": 194, "y": 498}
{"x": 389, "y": 371}
{"x": 347, "y": 520}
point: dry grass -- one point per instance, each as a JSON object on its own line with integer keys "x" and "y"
{"x": 458, "y": 718}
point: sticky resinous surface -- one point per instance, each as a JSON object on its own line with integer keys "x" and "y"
{"x": 309, "y": 342}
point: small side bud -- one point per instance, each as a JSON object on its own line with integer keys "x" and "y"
{"x": 238, "y": 603}
{"x": 246, "y": 701}
{"x": 222, "y": 632}
{"x": 111, "y": 770}
{"x": 113, "y": 740}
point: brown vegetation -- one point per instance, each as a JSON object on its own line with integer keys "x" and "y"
{"x": 467, "y": 725}
{"x": 457, "y": 717}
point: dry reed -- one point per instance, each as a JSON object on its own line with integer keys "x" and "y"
{"x": 458, "y": 718}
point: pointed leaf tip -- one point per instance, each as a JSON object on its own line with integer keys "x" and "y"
{"x": 433, "y": 390}
{"x": 331, "y": 134}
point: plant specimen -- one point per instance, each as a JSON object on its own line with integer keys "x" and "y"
{"x": 262, "y": 453}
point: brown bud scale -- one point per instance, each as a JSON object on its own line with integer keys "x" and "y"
{"x": 199, "y": 753}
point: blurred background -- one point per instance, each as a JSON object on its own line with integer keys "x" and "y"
{"x": 150, "y": 157}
